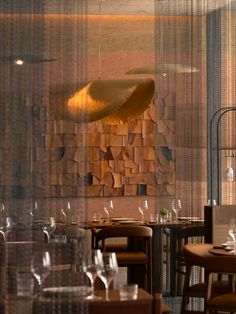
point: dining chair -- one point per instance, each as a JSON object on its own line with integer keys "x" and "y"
{"x": 221, "y": 302}
{"x": 176, "y": 238}
{"x": 137, "y": 256}
{"x": 159, "y": 306}
{"x": 76, "y": 236}
{"x": 198, "y": 256}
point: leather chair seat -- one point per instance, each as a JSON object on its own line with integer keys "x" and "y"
{"x": 130, "y": 258}
{"x": 218, "y": 286}
{"x": 198, "y": 255}
{"x": 135, "y": 255}
{"x": 226, "y": 301}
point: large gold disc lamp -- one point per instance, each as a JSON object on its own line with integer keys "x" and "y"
{"x": 111, "y": 101}
{"x": 164, "y": 69}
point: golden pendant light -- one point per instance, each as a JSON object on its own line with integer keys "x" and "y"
{"x": 111, "y": 101}
{"x": 164, "y": 69}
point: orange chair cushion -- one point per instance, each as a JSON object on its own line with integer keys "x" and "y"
{"x": 131, "y": 258}
{"x": 224, "y": 300}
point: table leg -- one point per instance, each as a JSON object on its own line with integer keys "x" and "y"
{"x": 157, "y": 259}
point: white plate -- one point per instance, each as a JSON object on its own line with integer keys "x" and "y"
{"x": 76, "y": 290}
{"x": 130, "y": 222}
{"x": 191, "y": 218}
{"x": 121, "y": 219}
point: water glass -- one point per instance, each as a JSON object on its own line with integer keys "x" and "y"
{"x": 154, "y": 218}
{"x": 232, "y": 233}
{"x": 128, "y": 292}
{"x": 97, "y": 217}
{"x": 75, "y": 219}
{"x": 24, "y": 284}
{"x": 60, "y": 238}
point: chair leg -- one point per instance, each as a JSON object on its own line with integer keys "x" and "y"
{"x": 136, "y": 274}
{"x": 185, "y": 297}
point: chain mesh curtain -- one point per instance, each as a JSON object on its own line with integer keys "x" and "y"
{"x": 54, "y": 40}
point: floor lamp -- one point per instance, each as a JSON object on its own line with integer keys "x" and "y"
{"x": 215, "y": 121}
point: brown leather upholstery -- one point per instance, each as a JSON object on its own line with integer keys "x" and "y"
{"x": 223, "y": 303}
{"x": 137, "y": 257}
{"x": 198, "y": 255}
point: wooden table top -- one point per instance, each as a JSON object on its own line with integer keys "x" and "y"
{"x": 221, "y": 252}
{"x": 75, "y": 304}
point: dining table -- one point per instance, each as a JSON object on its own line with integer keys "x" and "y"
{"x": 59, "y": 303}
{"x": 195, "y": 228}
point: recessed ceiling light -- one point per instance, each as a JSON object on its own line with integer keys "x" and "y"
{"x": 18, "y": 62}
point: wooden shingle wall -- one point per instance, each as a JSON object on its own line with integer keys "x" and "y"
{"x": 67, "y": 159}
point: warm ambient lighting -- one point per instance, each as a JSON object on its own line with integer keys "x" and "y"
{"x": 111, "y": 101}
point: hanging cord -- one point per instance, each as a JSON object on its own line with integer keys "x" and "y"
{"x": 99, "y": 39}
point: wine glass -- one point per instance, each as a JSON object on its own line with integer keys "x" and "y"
{"x": 232, "y": 232}
{"x": 108, "y": 270}
{"x": 2, "y": 210}
{"x": 34, "y": 212}
{"x": 5, "y": 226}
{"x": 49, "y": 227}
{"x": 40, "y": 266}
{"x": 176, "y": 207}
{"x": 108, "y": 208}
{"x": 66, "y": 212}
{"x": 143, "y": 207}
{"x": 92, "y": 264}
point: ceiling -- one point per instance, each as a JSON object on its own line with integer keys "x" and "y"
{"x": 157, "y": 7}
{"x": 116, "y": 7}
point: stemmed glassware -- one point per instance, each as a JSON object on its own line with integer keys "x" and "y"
{"x": 40, "y": 266}
{"x": 108, "y": 270}
{"x": 34, "y": 212}
{"x": 143, "y": 207}
{"x": 108, "y": 208}
{"x": 232, "y": 233}
{"x": 66, "y": 212}
{"x": 176, "y": 207}
{"x": 49, "y": 227}
{"x": 92, "y": 265}
{"x": 5, "y": 226}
